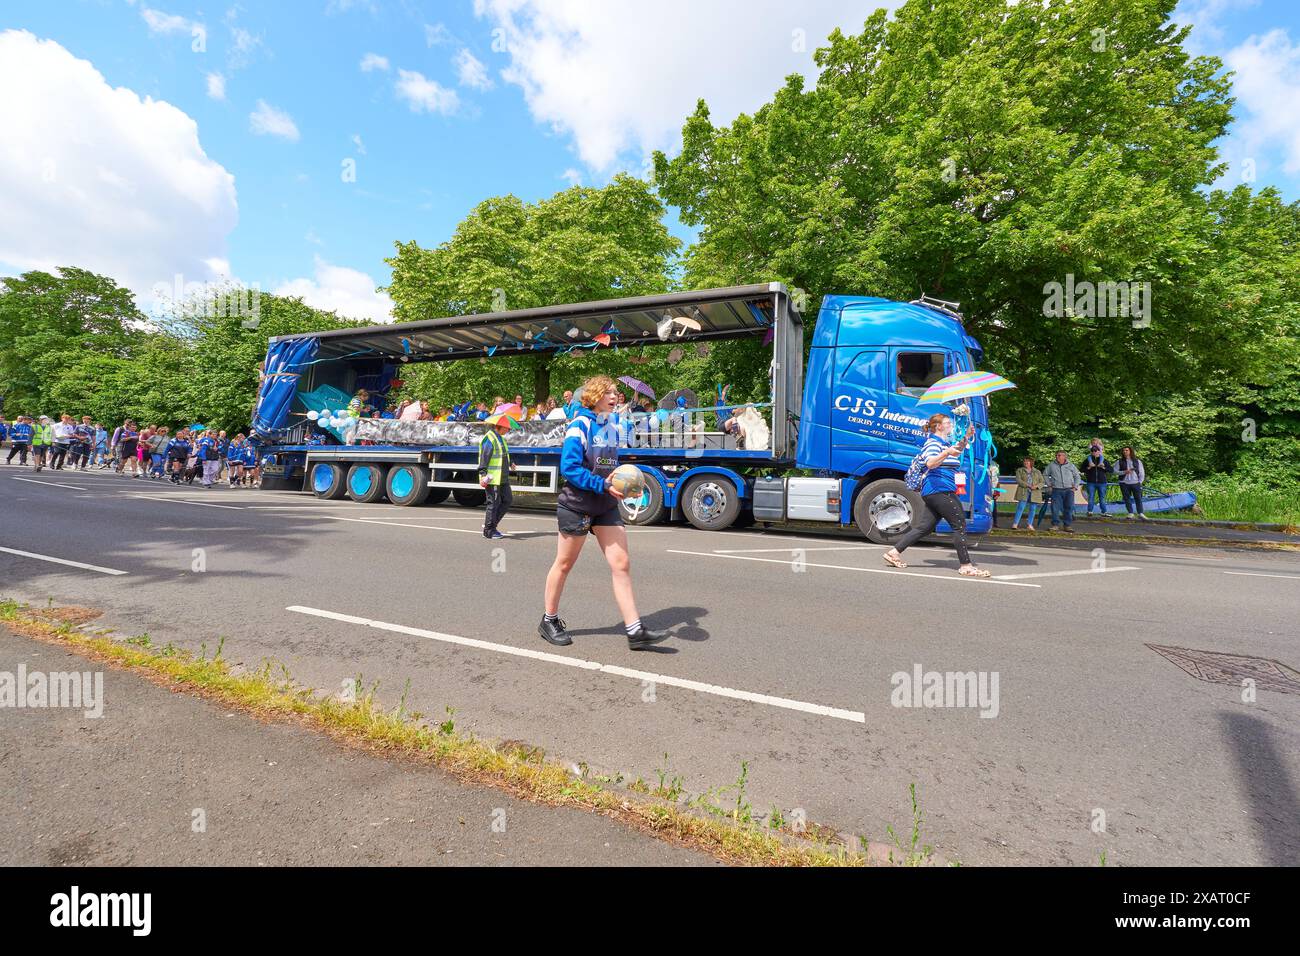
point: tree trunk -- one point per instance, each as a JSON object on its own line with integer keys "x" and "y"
{"x": 541, "y": 378}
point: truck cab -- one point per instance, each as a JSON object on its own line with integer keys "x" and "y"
{"x": 861, "y": 421}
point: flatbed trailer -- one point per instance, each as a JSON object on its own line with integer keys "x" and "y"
{"x": 856, "y": 433}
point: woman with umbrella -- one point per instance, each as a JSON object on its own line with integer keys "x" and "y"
{"x": 588, "y": 504}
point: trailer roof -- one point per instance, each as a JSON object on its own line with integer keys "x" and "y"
{"x": 730, "y": 313}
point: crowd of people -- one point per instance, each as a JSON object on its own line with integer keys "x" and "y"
{"x": 153, "y": 453}
{"x": 1052, "y": 489}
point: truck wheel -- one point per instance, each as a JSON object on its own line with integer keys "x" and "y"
{"x": 469, "y": 497}
{"x": 407, "y": 484}
{"x": 328, "y": 480}
{"x": 366, "y": 483}
{"x": 281, "y": 484}
{"x": 889, "y": 502}
{"x": 650, "y": 509}
{"x": 711, "y": 503}
{"x": 437, "y": 496}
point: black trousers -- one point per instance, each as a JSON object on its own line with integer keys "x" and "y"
{"x": 19, "y": 449}
{"x": 499, "y": 498}
{"x": 945, "y": 505}
{"x": 58, "y": 453}
{"x": 1132, "y": 494}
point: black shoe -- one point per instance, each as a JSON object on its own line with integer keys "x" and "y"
{"x": 644, "y": 637}
{"x": 554, "y": 632}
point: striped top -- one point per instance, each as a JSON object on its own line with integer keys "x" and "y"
{"x": 943, "y": 478}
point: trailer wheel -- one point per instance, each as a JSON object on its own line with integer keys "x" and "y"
{"x": 366, "y": 483}
{"x": 469, "y": 497}
{"x": 407, "y": 484}
{"x": 328, "y": 480}
{"x": 711, "y": 503}
{"x": 649, "y": 509}
{"x": 887, "y": 501}
{"x": 437, "y": 496}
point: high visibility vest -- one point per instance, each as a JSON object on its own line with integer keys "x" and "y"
{"x": 499, "y": 460}
{"x": 44, "y": 435}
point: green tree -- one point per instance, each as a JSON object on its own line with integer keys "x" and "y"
{"x": 980, "y": 152}
{"x": 581, "y": 244}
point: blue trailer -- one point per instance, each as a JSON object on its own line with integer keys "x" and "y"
{"x": 841, "y": 436}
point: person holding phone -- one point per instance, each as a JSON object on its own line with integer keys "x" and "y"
{"x": 588, "y": 505}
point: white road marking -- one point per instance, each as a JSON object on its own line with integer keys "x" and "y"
{"x": 698, "y": 686}
{"x": 848, "y": 547}
{"x": 186, "y": 501}
{"x": 37, "y": 481}
{"x": 841, "y": 567}
{"x": 1063, "y": 574}
{"x": 1260, "y": 574}
{"x": 71, "y": 564}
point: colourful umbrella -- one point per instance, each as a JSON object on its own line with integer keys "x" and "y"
{"x": 952, "y": 388}
{"x": 637, "y": 386}
{"x": 509, "y": 408}
{"x": 495, "y": 420}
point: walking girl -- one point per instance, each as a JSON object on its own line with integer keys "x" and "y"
{"x": 939, "y": 492}
{"x": 589, "y": 505}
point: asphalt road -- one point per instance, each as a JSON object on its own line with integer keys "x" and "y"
{"x": 784, "y": 653}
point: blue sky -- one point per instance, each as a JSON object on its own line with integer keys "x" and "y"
{"x": 164, "y": 137}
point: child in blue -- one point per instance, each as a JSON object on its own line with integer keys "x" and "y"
{"x": 235, "y": 461}
{"x": 208, "y": 451}
{"x": 589, "y": 505}
{"x": 178, "y": 452}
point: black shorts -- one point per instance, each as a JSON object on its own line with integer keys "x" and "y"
{"x": 576, "y": 523}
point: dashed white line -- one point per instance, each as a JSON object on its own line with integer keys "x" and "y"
{"x": 55, "y": 484}
{"x": 186, "y": 501}
{"x": 1260, "y": 574}
{"x": 53, "y": 560}
{"x": 665, "y": 679}
{"x": 842, "y": 567}
{"x": 1064, "y": 574}
{"x": 851, "y": 547}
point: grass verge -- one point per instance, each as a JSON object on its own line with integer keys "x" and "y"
{"x": 268, "y": 694}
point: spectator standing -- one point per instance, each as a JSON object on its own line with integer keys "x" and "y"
{"x": 1063, "y": 478}
{"x": 1132, "y": 475}
{"x": 42, "y": 439}
{"x": 20, "y": 439}
{"x": 1096, "y": 474}
{"x": 65, "y": 433}
{"x": 1029, "y": 492}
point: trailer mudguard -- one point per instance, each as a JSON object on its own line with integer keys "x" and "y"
{"x": 680, "y": 482}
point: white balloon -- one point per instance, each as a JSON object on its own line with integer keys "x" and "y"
{"x": 312, "y": 416}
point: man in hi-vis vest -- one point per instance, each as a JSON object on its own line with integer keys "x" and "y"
{"x": 494, "y": 472}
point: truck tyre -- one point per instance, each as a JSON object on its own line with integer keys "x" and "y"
{"x": 437, "y": 496}
{"x": 327, "y": 480}
{"x": 877, "y": 499}
{"x": 407, "y": 484}
{"x": 470, "y": 497}
{"x": 366, "y": 483}
{"x": 651, "y": 510}
{"x": 710, "y": 502}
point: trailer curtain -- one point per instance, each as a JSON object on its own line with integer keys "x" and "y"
{"x": 285, "y": 361}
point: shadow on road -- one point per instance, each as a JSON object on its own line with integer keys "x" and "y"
{"x": 1274, "y": 804}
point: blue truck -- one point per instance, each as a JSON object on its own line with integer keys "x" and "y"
{"x": 840, "y": 434}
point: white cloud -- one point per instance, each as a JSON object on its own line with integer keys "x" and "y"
{"x": 424, "y": 95}
{"x": 1268, "y": 78}
{"x": 266, "y": 120}
{"x": 573, "y": 176}
{"x": 243, "y": 44}
{"x": 621, "y": 78}
{"x": 349, "y": 292}
{"x": 471, "y": 71}
{"x": 373, "y": 61}
{"x": 166, "y": 23}
{"x": 436, "y": 34}
{"x": 98, "y": 177}
{"x": 216, "y": 86}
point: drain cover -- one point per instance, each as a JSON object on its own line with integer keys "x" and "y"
{"x": 1219, "y": 668}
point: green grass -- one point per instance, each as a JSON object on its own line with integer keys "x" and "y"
{"x": 1249, "y": 504}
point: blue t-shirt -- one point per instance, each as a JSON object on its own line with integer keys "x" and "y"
{"x": 943, "y": 478}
